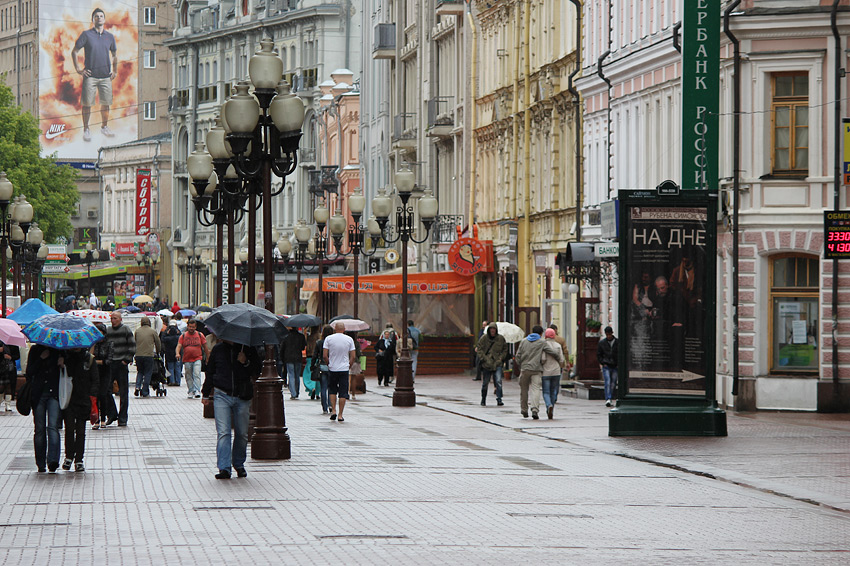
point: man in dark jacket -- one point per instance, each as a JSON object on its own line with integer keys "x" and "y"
{"x": 290, "y": 351}
{"x": 606, "y": 353}
{"x": 491, "y": 350}
{"x": 124, "y": 348}
{"x": 228, "y": 386}
{"x": 169, "y": 336}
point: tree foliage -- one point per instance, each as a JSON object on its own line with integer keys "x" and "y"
{"x": 50, "y": 188}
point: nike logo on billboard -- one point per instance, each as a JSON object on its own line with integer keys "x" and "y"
{"x": 54, "y": 130}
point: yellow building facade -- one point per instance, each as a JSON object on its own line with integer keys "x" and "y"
{"x": 526, "y": 146}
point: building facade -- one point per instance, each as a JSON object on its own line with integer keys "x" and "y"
{"x": 210, "y": 48}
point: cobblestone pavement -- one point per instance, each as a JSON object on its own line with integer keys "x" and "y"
{"x": 446, "y": 481}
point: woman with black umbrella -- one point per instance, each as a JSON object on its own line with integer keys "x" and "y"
{"x": 43, "y": 365}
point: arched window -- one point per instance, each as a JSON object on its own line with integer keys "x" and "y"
{"x": 184, "y": 14}
{"x": 794, "y": 313}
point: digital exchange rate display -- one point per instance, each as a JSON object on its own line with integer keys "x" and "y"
{"x": 836, "y": 235}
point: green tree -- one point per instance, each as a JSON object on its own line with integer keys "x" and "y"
{"x": 50, "y": 188}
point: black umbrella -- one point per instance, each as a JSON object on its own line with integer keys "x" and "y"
{"x": 243, "y": 323}
{"x": 302, "y": 321}
{"x": 202, "y": 308}
{"x": 64, "y": 288}
{"x": 340, "y": 317}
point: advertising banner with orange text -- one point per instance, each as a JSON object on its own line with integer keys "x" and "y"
{"x": 433, "y": 283}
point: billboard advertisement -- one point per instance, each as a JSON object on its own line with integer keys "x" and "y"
{"x": 667, "y": 254}
{"x": 88, "y": 67}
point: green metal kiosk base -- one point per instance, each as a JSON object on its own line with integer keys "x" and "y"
{"x": 666, "y": 417}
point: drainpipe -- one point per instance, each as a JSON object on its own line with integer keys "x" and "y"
{"x": 736, "y": 184}
{"x": 839, "y": 72}
{"x": 578, "y": 124}
{"x": 607, "y": 82}
{"x": 473, "y": 172}
{"x": 526, "y": 143}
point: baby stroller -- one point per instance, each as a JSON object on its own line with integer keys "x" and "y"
{"x": 158, "y": 378}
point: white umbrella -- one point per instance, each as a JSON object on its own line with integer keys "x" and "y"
{"x": 351, "y": 324}
{"x": 165, "y": 312}
{"x": 91, "y": 314}
{"x": 510, "y": 332}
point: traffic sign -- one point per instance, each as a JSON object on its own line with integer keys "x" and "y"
{"x": 237, "y": 286}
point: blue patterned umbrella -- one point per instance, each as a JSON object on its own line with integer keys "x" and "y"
{"x": 63, "y": 332}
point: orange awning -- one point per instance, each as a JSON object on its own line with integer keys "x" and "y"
{"x": 434, "y": 283}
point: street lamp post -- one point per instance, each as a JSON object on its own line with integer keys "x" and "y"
{"x": 22, "y": 213}
{"x": 6, "y": 190}
{"x": 35, "y": 237}
{"x": 263, "y": 130}
{"x": 404, "y": 395}
{"x": 88, "y": 257}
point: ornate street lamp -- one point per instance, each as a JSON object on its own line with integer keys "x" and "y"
{"x": 263, "y": 129}
{"x": 35, "y": 237}
{"x": 89, "y": 256}
{"x": 22, "y": 213}
{"x": 404, "y": 395}
{"x": 6, "y": 190}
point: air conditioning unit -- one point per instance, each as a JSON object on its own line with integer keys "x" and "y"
{"x": 92, "y": 214}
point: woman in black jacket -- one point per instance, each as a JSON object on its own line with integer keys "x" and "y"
{"x": 83, "y": 370}
{"x": 8, "y": 373}
{"x": 43, "y": 366}
{"x": 105, "y": 401}
{"x": 385, "y": 351}
{"x": 316, "y": 368}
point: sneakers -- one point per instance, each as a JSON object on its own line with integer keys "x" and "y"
{"x": 66, "y": 465}
{"x": 524, "y": 414}
{"x": 79, "y": 467}
{"x": 241, "y": 473}
{"x": 52, "y": 467}
{"x": 608, "y": 403}
{"x": 108, "y": 422}
{"x": 223, "y": 475}
{"x": 107, "y": 132}
{"x": 535, "y": 416}
{"x": 136, "y": 392}
{"x": 549, "y": 411}
{"x": 197, "y": 395}
{"x": 190, "y": 395}
{"x": 87, "y": 135}
{"x": 483, "y": 403}
{"x": 499, "y": 402}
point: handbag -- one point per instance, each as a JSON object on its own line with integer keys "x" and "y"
{"x": 66, "y": 387}
{"x": 24, "y": 402}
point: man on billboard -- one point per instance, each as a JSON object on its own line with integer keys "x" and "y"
{"x": 99, "y": 70}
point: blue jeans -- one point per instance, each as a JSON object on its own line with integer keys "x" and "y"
{"x": 414, "y": 355}
{"x": 496, "y": 374}
{"x": 293, "y": 375}
{"x": 193, "y": 376}
{"x": 551, "y": 384}
{"x": 45, "y": 416}
{"x": 176, "y": 369}
{"x": 610, "y": 376}
{"x": 324, "y": 391}
{"x": 229, "y": 411}
{"x": 144, "y": 369}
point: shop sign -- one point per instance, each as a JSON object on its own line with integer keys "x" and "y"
{"x": 467, "y": 256}
{"x": 143, "y": 202}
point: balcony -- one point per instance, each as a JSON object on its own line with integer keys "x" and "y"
{"x": 405, "y": 131}
{"x": 445, "y": 228}
{"x": 180, "y": 168}
{"x": 307, "y": 156}
{"x": 440, "y": 117}
{"x": 384, "y": 44}
{"x": 207, "y": 94}
{"x": 450, "y": 7}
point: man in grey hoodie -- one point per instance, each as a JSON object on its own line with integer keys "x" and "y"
{"x": 529, "y": 358}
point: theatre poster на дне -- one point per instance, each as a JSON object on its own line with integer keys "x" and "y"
{"x": 666, "y": 350}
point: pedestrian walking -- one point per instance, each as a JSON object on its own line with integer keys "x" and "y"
{"x": 106, "y": 409}
{"x": 320, "y": 368}
{"x": 606, "y": 353}
{"x": 191, "y": 350}
{"x": 528, "y": 356}
{"x": 562, "y": 343}
{"x": 291, "y": 349}
{"x": 339, "y": 353}
{"x": 148, "y": 348}
{"x": 476, "y": 358}
{"x": 385, "y": 353}
{"x": 43, "y": 365}
{"x": 169, "y": 337}
{"x": 123, "y": 350}
{"x": 229, "y": 388}
{"x": 182, "y": 325}
{"x": 552, "y": 366}
{"x": 8, "y": 373}
{"x": 413, "y": 343}
{"x": 82, "y": 408}
{"x": 491, "y": 350}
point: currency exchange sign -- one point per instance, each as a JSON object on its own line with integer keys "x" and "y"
{"x": 700, "y": 93}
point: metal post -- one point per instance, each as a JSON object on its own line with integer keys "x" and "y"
{"x": 404, "y": 395}
{"x": 231, "y": 265}
{"x": 356, "y": 282}
{"x": 219, "y": 270}
{"x": 268, "y": 245}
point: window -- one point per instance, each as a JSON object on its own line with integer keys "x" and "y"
{"x": 794, "y": 312}
{"x": 150, "y": 110}
{"x": 790, "y": 114}
{"x": 150, "y": 58}
{"x": 150, "y": 15}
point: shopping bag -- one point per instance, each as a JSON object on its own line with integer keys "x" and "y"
{"x": 66, "y": 387}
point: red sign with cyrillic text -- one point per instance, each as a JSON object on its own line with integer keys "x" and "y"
{"x": 143, "y": 202}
